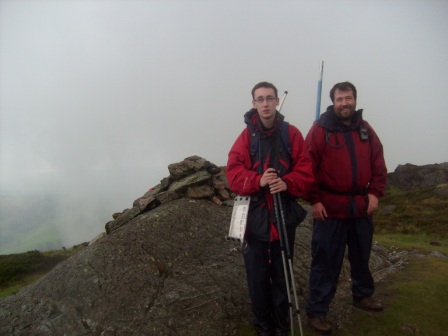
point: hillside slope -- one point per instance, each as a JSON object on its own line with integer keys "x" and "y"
{"x": 165, "y": 270}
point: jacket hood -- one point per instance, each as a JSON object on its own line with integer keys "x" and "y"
{"x": 253, "y": 121}
{"x": 330, "y": 121}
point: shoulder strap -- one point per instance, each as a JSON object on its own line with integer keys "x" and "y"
{"x": 285, "y": 136}
{"x": 363, "y": 132}
{"x": 254, "y": 140}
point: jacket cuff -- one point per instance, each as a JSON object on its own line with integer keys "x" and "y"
{"x": 257, "y": 179}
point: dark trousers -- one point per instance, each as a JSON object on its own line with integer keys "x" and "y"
{"x": 267, "y": 286}
{"x": 327, "y": 248}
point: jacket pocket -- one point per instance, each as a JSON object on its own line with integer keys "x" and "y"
{"x": 258, "y": 220}
{"x": 295, "y": 213}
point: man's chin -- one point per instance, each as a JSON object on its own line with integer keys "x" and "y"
{"x": 266, "y": 116}
{"x": 344, "y": 118}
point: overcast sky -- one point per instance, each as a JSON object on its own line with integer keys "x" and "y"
{"x": 98, "y": 97}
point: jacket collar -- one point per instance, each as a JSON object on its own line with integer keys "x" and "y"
{"x": 253, "y": 121}
{"x": 330, "y": 121}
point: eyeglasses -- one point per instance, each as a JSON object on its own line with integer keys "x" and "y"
{"x": 269, "y": 99}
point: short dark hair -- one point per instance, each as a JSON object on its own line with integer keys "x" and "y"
{"x": 344, "y": 86}
{"x": 264, "y": 85}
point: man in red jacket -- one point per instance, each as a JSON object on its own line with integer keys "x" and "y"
{"x": 260, "y": 171}
{"x": 350, "y": 175}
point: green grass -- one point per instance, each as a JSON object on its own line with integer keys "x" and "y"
{"x": 17, "y": 285}
{"x": 422, "y": 211}
{"x": 421, "y": 241}
{"x": 415, "y": 299}
{"x": 20, "y": 270}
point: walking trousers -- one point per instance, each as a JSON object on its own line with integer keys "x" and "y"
{"x": 330, "y": 237}
{"x": 267, "y": 286}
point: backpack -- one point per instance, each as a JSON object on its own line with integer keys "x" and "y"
{"x": 296, "y": 212}
{"x": 254, "y": 139}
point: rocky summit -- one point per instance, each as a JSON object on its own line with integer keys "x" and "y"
{"x": 410, "y": 176}
{"x": 164, "y": 267}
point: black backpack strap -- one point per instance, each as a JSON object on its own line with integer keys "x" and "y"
{"x": 254, "y": 141}
{"x": 285, "y": 136}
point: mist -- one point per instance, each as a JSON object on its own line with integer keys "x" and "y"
{"x": 97, "y": 98}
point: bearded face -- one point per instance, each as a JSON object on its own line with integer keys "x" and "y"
{"x": 344, "y": 105}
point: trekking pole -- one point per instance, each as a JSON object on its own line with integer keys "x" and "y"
{"x": 288, "y": 254}
{"x": 282, "y": 101}
{"x": 281, "y": 228}
{"x": 285, "y": 266}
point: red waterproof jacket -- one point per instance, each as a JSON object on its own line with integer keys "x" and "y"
{"x": 348, "y": 164}
{"x": 244, "y": 172}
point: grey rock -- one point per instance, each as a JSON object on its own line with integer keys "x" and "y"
{"x": 124, "y": 218}
{"x": 191, "y": 180}
{"x": 167, "y": 196}
{"x": 409, "y": 176}
{"x": 201, "y": 191}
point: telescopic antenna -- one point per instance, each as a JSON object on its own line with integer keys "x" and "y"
{"x": 319, "y": 91}
{"x": 282, "y": 101}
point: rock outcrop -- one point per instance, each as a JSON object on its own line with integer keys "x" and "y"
{"x": 194, "y": 177}
{"x": 164, "y": 268}
{"x": 409, "y": 176}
